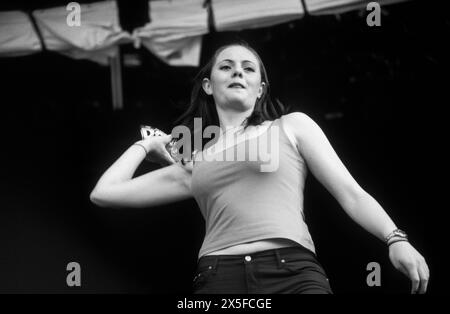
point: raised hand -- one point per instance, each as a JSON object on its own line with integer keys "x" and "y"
{"x": 156, "y": 148}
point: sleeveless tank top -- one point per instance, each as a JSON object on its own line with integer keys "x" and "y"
{"x": 252, "y": 190}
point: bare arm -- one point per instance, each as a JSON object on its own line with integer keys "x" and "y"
{"x": 118, "y": 188}
{"x": 329, "y": 170}
{"x": 326, "y": 166}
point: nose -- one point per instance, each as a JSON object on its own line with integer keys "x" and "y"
{"x": 237, "y": 72}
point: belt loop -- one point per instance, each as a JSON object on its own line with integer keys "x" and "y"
{"x": 215, "y": 262}
{"x": 279, "y": 263}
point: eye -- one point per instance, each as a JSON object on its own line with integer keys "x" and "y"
{"x": 225, "y": 67}
{"x": 249, "y": 69}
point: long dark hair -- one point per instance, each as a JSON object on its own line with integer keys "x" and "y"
{"x": 202, "y": 105}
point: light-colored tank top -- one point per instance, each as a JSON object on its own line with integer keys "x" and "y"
{"x": 241, "y": 203}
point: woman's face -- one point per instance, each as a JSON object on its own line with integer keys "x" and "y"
{"x": 235, "y": 81}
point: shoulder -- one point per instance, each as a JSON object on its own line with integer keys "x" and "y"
{"x": 303, "y": 130}
{"x": 298, "y": 123}
{"x": 292, "y": 124}
{"x": 294, "y": 118}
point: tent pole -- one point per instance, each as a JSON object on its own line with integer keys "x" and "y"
{"x": 116, "y": 81}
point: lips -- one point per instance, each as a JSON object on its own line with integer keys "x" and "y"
{"x": 236, "y": 85}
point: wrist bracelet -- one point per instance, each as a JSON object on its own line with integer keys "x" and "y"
{"x": 146, "y": 153}
{"x": 397, "y": 240}
{"x": 396, "y": 233}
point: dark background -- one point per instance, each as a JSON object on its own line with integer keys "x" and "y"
{"x": 379, "y": 93}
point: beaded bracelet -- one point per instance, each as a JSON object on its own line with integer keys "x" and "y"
{"x": 146, "y": 153}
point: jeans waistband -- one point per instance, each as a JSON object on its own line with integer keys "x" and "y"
{"x": 278, "y": 253}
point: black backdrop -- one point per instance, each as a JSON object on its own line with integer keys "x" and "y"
{"x": 379, "y": 94}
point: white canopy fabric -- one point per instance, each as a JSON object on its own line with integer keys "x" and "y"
{"x": 96, "y": 38}
{"x": 175, "y": 31}
{"x": 236, "y": 15}
{"x": 17, "y": 35}
{"x": 322, "y": 7}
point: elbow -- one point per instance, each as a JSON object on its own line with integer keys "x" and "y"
{"x": 97, "y": 199}
{"x": 103, "y": 199}
{"x": 94, "y": 198}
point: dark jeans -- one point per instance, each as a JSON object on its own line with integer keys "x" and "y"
{"x": 286, "y": 270}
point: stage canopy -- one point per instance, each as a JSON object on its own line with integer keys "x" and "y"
{"x": 17, "y": 35}
{"x": 174, "y": 33}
